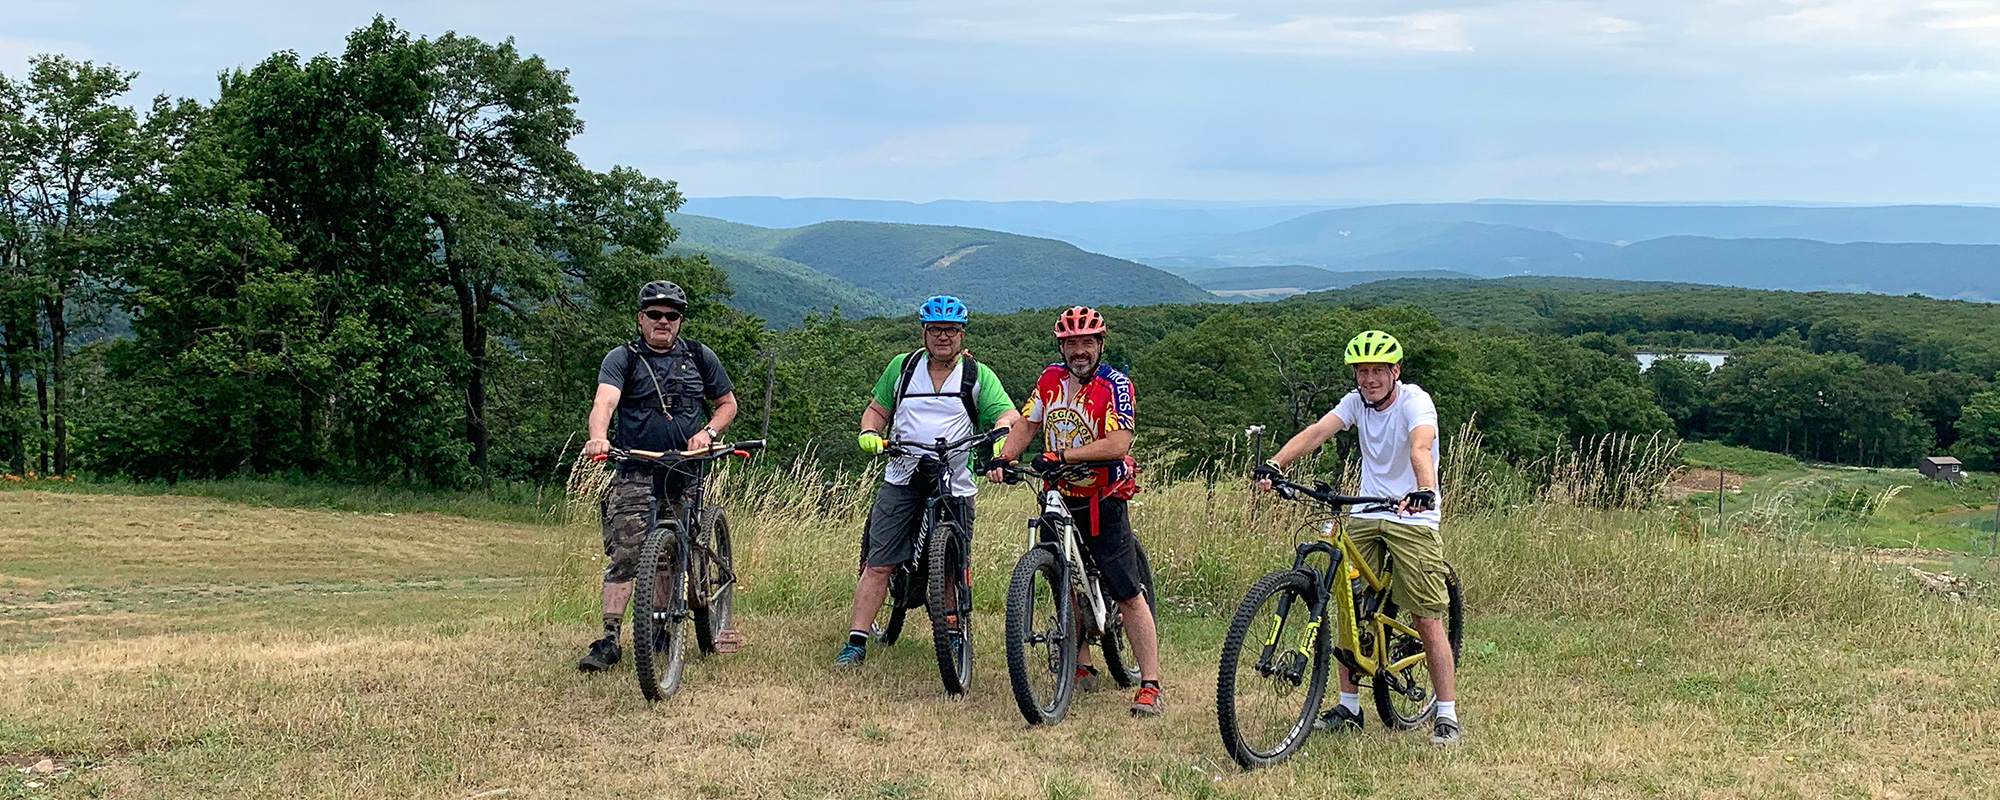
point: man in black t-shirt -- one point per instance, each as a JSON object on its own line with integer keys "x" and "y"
{"x": 659, "y": 387}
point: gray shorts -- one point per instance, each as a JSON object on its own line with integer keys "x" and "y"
{"x": 891, "y": 537}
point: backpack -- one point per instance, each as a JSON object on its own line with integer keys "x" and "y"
{"x": 638, "y": 349}
{"x": 967, "y": 388}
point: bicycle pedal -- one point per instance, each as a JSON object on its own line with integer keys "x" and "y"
{"x": 728, "y": 640}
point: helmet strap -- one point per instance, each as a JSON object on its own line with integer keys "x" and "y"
{"x": 1386, "y": 399}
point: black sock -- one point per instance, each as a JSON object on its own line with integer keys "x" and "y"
{"x": 611, "y": 625}
{"x": 1154, "y": 684}
{"x": 857, "y": 638}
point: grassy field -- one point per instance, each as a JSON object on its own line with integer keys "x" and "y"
{"x": 179, "y": 647}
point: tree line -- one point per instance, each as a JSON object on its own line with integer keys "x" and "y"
{"x": 389, "y": 265}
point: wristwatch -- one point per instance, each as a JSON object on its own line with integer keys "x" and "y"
{"x": 713, "y": 434}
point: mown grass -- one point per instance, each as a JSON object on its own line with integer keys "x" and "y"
{"x": 503, "y": 501}
{"x": 1629, "y": 653}
{"x": 1716, "y": 455}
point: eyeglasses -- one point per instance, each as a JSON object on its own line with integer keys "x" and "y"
{"x": 944, "y": 330}
{"x": 656, "y": 316}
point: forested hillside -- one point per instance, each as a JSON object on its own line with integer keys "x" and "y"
{"x": 906, "y": 263}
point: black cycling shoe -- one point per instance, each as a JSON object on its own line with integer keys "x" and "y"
{"x": 1339, "y": 720}
{"x": 603, "y": 654}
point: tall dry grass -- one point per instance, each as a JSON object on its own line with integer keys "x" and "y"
{"x": 1590, "y": 538}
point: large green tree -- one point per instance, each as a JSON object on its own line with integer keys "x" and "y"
{"x": 67, "y": 149}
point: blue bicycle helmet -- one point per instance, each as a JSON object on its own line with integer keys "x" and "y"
{"x": 942, "y": 308}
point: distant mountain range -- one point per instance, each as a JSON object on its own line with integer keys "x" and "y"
{"x": 1941, "y": 251}
{"x": 867, "y": 268}
{"x": 1115, "y": 227}
{"x": 1271, "y": 283}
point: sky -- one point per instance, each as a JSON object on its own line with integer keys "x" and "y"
{"x": 1856, "y": 101}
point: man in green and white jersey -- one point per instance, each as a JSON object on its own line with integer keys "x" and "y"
{"x": 938, "y": 392}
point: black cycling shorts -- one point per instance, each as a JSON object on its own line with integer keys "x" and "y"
{"x": 1113, "y": 548}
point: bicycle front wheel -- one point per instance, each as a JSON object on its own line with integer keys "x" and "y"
{"x": 657, "y": 633}
{"x": 949, "y": 601}
{"x": 1273, "y": 671}
{"x": 1041, "y": 638}
{"x": 1406, "y": 698}
{"x": 712, "y": 595}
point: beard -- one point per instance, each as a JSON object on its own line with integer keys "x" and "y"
{"x": 1082, "y": 366}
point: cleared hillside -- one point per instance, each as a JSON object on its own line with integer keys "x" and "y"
{"x": 990, "y": 270}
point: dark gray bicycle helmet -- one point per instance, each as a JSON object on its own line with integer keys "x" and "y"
{"x": 658, "y": 292}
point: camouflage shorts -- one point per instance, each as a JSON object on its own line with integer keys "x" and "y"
{"x": 626, "y": 508}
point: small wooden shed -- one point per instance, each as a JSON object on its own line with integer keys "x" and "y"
{"x": 1941, "y": 468}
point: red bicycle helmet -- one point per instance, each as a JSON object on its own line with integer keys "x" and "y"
{"x": 1079, "y": 321}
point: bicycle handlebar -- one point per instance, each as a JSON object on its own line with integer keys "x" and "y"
{"x": 1325, "y": 494}
{"x": 1068, "y": 471}
{"x": 942, "y": 447}
{"x": 713, "y": 452}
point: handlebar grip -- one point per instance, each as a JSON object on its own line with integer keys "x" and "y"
{"x": 601, "y": 457}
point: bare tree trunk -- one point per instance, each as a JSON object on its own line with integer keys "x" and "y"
{"x": 17, "y": 457}
{"x": 472, "y": 303}
{"x": 42, "y": 405}
{"x": 58, "y": 347}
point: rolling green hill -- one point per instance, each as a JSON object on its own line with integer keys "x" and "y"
{"x": 783, "y": 291}
{"x": 902, "y": 264}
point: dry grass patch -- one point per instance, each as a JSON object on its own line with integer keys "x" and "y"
{"x": 1607, "y": 656}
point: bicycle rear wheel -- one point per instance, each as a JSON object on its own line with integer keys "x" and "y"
{"x": 1406, "y": 698}
{"x": 657, "y": 633}
{"x": 1273, "y": 671}
{"x": 949, "y": 601}
{"x": 1118, "y": 657}
{"x": 713, "y": 610}
{"x": 1041, "y": 639}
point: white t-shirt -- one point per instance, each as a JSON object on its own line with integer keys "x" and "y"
{"x": 939, "y": 415}
{"x": 1385, "y": 447}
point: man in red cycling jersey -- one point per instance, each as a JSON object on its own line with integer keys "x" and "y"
{"x": 1084, "y": 408}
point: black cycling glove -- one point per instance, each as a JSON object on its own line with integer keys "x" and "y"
{"x": 1046, "y": 463}
{"x": 1268, "y": 469}
{"x": 997, "y": 463}
{"x": 1421, "y": 500}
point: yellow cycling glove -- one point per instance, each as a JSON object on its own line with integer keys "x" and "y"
{"x": 870, "y": 442}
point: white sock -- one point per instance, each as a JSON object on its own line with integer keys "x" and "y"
{"x": 1447, "y": 709}
{"x": 1351, "y": 701}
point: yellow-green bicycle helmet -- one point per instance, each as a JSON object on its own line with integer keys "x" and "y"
{"x": 1374, "y": 347}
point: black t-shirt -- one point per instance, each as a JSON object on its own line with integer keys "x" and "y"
{"x": 662, "y": 396}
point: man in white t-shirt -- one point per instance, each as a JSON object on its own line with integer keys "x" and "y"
{"x": 1397, "y": 426}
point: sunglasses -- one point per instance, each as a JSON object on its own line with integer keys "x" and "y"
{"x": 656, "y": 316}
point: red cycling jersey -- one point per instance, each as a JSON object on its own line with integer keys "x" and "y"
{"x": 1073, "y": 415}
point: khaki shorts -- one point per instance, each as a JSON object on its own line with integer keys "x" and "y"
{"x": 1418, "y": 583}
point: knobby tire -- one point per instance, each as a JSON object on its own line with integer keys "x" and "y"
{"x": 943, "y": 599}
{"x": 1250, "y": 749}
{"x": 1386, "y": 698}
{"x": 659, "y": 671}
{"x": 1024, "y": 666}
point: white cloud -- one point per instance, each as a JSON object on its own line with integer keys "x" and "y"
{"x": 1938, "y": 76}
{"x": 1422, "y": 31}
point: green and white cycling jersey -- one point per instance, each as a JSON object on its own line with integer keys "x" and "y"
{"x": 929, "y": 412}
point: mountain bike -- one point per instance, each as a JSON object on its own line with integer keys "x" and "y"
{"x": 939, "y": 575}
{"x": 1053, "y": 580}
{"x": 1275, "y": 656}
{"x": 686, "y": 564}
